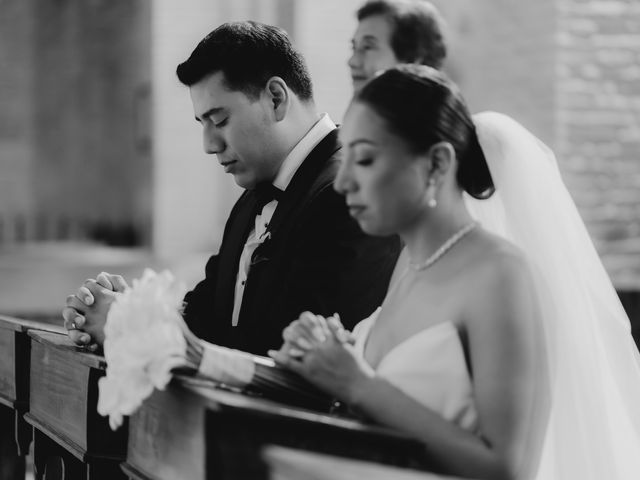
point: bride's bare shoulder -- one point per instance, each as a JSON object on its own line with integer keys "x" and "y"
{"x": 499, "y": 289}
{"x": 497, "y": 262}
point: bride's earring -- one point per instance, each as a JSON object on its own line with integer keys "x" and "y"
{"x": 431, "y": 194}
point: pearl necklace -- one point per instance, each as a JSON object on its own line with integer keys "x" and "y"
{"x": 444, "y": 248}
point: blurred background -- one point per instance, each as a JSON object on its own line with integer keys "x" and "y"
{"x": 101, "y": 164}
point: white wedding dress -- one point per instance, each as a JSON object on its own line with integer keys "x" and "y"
{"x": 429, "y": 367}
{"x": 593, "y": 431}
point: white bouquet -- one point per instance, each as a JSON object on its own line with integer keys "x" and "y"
{"x": 146, "y": 339}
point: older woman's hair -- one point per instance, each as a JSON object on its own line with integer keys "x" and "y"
{"x": 423, "y": 107}
{"x": 417, "y": 29}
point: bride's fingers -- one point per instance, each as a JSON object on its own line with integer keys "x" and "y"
{"x": 295, "y": 352}
{"x": 317, "y": 325}
{"x": 335, "y": 319}
{"x": 298, "y": 336}
{"x": 337, "y": 330}
{"x": 300, "y": 333}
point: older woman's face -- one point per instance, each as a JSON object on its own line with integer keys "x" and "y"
{"x": 383, "y": 181}
{"x": 371, "y": 50}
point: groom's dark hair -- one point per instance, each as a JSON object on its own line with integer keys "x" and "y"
{"x": 248, "y": 54}
{"x": 417, "y": 29}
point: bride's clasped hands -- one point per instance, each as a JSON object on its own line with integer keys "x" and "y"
{"x": 322, "y": 351}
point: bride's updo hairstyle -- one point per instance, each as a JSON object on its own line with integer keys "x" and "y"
{"x": 423, "y": 107}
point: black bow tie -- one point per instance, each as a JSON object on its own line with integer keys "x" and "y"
{"x": 265, "y": 193}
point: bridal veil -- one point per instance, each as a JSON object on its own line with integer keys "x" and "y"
{"x": 593, "y": 431}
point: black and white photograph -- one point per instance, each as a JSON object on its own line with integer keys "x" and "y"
{"x": 319, "y": 240}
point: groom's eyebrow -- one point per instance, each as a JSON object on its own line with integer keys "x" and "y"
{"x": 365, "y": 39}
{"x": 209, "y": 113}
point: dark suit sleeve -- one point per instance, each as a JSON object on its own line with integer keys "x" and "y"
{"x": 347, "y": 271}
{"x": 199, "y": 302}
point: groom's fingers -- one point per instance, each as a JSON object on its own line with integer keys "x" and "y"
{"x": 103, "y": 280}
{"x": 118, "y": 282}
{"x": 85, "y": 295}
{"x": 79, "y": 338}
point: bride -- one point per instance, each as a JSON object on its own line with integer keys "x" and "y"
{"x": 501, "y": 344}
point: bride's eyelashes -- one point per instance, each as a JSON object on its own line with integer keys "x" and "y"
{"x": 364, "y": 162}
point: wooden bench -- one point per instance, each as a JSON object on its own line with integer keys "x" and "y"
{"x": 195, "y": 431}
{"x": 15, "y": 357}
{"x": 70, "y": 437}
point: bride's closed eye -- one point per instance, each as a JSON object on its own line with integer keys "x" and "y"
{"x": 365, "y": 161}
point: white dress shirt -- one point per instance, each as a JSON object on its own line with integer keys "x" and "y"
{"x": 260, "y": 231}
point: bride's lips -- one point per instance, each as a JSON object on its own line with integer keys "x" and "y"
{"x": 228, "y": 165}
{"x": 356, "y": 210}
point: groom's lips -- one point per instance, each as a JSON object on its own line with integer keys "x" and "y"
{"x": 358, "y": 78}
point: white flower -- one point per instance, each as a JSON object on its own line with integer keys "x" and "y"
{"x": 144, "y": 341}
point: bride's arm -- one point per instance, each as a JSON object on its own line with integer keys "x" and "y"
{"x": 500, "y": 329}
{"x": 504, "y": 341}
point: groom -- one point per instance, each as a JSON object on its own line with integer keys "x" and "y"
{"x": 289, "y": 244}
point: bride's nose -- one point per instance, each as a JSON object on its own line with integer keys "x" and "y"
{"x": 344, "y": 182}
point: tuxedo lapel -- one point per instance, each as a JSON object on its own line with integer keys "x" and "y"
{"x": 303, "y": 180}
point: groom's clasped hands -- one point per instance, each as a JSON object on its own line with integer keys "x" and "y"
{"x": 323, "y": 352}
{"x": 85, "y": 313}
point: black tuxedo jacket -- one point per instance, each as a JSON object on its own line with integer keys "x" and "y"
{"x": 316, "y": 259}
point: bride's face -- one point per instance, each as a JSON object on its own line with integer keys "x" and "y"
{"x": 383, "y": 181}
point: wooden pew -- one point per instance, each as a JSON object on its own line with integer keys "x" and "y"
{"x": 70, "y": 437}
{"x": 194, "y": 431}
{"x": 290, "y": 464}
{"x": 15, "y": 433}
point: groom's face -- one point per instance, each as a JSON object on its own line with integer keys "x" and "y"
{"x": 238, "y": 129}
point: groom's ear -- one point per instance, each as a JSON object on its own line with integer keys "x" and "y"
{"x": 278, "y": 97}
{"x": 441, "y": 158}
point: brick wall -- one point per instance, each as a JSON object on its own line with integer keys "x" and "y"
{"x": 569, "y": 70}
{"x": 598, "y": 111}
{"x": 503, "y": 57}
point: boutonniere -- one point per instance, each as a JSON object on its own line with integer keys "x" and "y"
{"x": 265, "y": 237}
